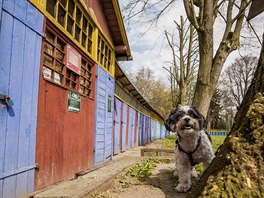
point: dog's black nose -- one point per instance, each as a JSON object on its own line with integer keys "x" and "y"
{"x": 187, "y": 119}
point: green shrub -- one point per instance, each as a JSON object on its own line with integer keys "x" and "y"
{"x": 144, "y": 168}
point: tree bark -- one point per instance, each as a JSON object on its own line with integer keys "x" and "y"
{"x": 203, "y": 90}
{"x": 238, "y": 168}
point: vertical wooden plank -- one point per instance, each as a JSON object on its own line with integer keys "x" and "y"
{"x": 121, "y": 126}
{"x": 26, "y": 117}
{"x": 30, "y": 183}
{"x": 5, "y": 53}
{"x": 21, "y": 184}
{"x": 13, "y": 121}
{"x": 109, "y": 116}
{"x": 139, "y": 129}
{"x": 136, "y": 129}
{"x": 133, "y": 127}
{"x": 1, "y": 5}
{"x": 117, "y": 108}
{"x": 127, "y": 125}
{"x": 33, "y": 119}
{"x": 101, "y": 115}
{"x": 26, "y": 102}
{"x": 9, "y": 5}
{"x": 152, "y": 129}
{"x": 148, "y": 129}
{"x": 124, "y": 121}
{"x": 8, "y": 187}
{"x": 20, "y": 8}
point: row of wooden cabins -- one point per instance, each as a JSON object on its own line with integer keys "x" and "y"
{"x": 65, "y": 104}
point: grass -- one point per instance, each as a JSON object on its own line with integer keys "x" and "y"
{"x": 144, "y": 168}
{"x": 217, "y": 141}
{"x": 169, "y": 142}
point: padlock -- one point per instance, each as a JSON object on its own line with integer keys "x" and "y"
{"x": 9, "y": 102}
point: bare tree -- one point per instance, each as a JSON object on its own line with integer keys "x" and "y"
{"x": 202, "y": 15}
{"x": 154, "y": 90}
{"x": 184, "y": 58}
{"x": 211, "y": 64}
{"x": 139, "y": 7}
{"x": 237, "y": 77}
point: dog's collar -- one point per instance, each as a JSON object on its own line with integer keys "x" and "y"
{"x": 189, "y": 154}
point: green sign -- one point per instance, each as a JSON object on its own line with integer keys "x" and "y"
{"x": 74, "y": 101}
{"x": 109, "y": 104}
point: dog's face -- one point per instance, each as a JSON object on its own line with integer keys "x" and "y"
{"x": 185, "y": 120}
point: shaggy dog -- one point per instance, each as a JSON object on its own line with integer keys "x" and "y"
{"x": 192, "y": 146}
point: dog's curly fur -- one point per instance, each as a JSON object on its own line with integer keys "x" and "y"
{"x": 193, "y": 144}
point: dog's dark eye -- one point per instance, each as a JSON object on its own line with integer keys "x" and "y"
{"x": 193, "y": 115}
{"x": 179, "y": 117}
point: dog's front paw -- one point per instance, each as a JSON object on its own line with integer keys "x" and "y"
{"x": 182, "y": 188}
{"x": 194, "y": 173}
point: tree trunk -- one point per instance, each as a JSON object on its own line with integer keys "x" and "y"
{"x": 203, "y": 91}
{"x": 238, "y": 168}
{"x": 182, "y": 96}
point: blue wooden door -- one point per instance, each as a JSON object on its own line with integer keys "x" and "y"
{"x": 20, "y": 40}
{"x": 124, "y": 126}
{"x": 158, "y": 133}
{"x": 152, "y": 129}
{"x": 131, "y": 127}
{"x": 133, "y": 120}
{"x": 103, "y": 116}
{"x": 140, "y": 128}
{"x": 147, "y": 129}
{"x": 143, "y": 130}
{"x": 136, "y": 131}
{"x": 117, "y": 126}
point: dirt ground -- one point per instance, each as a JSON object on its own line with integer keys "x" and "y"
{"x": 160, "y": 185}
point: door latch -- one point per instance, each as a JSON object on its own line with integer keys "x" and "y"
{"x": 6, "y": 100}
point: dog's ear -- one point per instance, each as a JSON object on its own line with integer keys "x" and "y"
{"x": 168, "y": 120}
{"x": 201, "y": 118}
{"x": 167, "y": 125}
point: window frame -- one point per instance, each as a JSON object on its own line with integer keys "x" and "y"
{"x": 79, "y": 30}
{"x": 50, "y": 27}
{"x": 104, "y": 53}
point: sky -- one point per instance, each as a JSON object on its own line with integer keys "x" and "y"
{"x": 149, "y": 46}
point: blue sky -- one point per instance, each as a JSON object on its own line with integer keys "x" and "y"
{"x": 149, "y": 47}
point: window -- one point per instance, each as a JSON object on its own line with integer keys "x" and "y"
{"x": 69, "y": 15}
{"x": 86, "y": 78}
{"x": 55, "y": 70}
{"x": 104, "y": 53}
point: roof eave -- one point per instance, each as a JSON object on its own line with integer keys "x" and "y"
{"x": 122, "y": 29}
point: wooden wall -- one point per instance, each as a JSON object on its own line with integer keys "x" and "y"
{"x": 103, "y": 117}
{"x": 64, "y": 139}
{"x": 95, "y": 8}
{"x": 20, "y": 40}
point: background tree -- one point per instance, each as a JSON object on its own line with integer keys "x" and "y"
{"x": 202, "y": 15}
{"x": 228, "y": 109}
{"x": 213, "y": 116}
{"x": 184, "y": 60}
{"x": 153, "y": 90}
{"x": 237, "y": 77}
